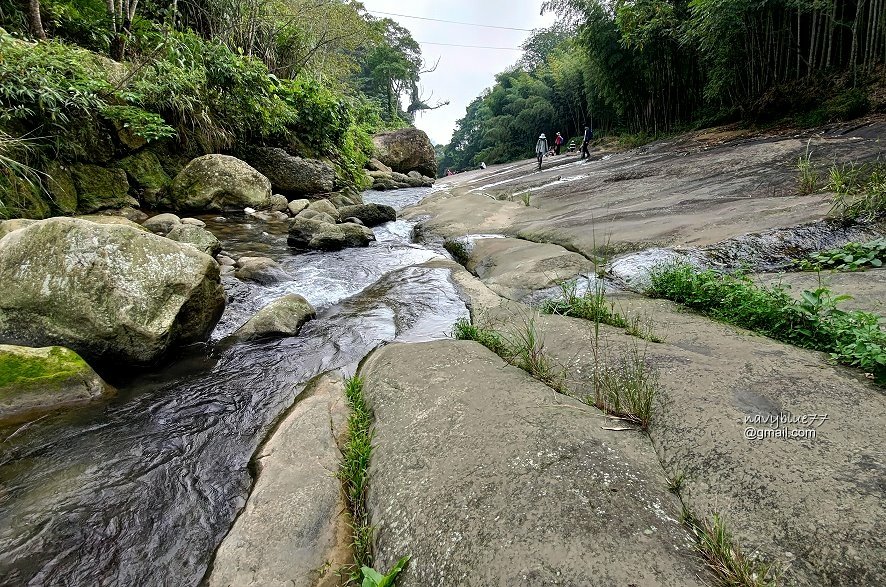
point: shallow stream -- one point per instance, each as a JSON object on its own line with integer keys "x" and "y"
{"x": 142, "y": 491}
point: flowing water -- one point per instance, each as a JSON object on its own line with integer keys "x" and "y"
{"x": 141, "y": 491}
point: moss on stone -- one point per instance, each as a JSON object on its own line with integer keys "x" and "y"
{"x": 145, "y": 171}
{"x": 100, "y": 188}
{"x": 22, "y": 368}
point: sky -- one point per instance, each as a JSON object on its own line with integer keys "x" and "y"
{"x": 463, "y": 73}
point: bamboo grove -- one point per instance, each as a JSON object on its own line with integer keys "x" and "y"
{"x": 648, "y": 67}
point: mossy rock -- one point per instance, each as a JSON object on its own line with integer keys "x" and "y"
{"x": 147, "y": 176}
{"x": 99, "y": 188}
{"x": 36, "y": 380}
{"x": 61, "y": 188}
{"x": 21, "y": 199}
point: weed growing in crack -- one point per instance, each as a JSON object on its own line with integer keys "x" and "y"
{"x": 624, "y": 386}
{"x": 354, "y": 476}
{"x": 730, "y": 566}
{"x": 676, "y": 483}
{"x": 526, "y": 197}
{"x": 859, "y": 191}
{"x": 808, "y": 176}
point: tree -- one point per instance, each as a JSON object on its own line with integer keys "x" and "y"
{"x": 34, "y": 20}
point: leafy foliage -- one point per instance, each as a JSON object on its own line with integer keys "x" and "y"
{"x": 372, "y": 578}
{"x": 814, "y": 321}
{"x": 849, "y": 257}
{"x": 859, "y": 190}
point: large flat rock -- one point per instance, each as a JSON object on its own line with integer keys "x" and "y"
{"x": 487, "y": 477}
{"x": 514, "y": 268}
{"x": 291, "y": 531}
{"x": 697, "y": 190}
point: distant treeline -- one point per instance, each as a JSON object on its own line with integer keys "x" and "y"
{"x": 652, "y": 66}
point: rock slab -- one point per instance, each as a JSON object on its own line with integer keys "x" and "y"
{"x": 109, "y": 292}
{"x": 220, "y": 182}
{"x": 291, "y": 532}
{"x": 487, "y": 477}
{"x": 283, "y": 317}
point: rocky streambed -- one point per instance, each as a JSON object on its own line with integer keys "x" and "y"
{"x": 143, "y": 490}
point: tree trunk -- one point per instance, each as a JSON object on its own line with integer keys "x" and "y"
{"x": 34, "y": 20}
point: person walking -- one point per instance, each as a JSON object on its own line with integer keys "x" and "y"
{"x": 541, "y": 147}
{"x": 558, "y": 141}
{"x": 589, "y": 136}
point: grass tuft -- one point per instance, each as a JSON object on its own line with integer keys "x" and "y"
{"x": 859, "y": 191}
{"x": 814, "y": 321}
{"x": 624, "y": 387}
{"x": 730, "y": 566}
{"x": 808, "y": 176}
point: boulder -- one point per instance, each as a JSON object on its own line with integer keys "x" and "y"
{"x": 345, "y": 198}
{"x": 296, "y": 206}
{"x": 217, "y": 183}
{"x": 260, "y": 270}
{"x": 326, "y": 207}
{"x": 414, "y": 174}
{"x": 7, "y": 226}
{"x": 110, "y": 292}
{"x": 99, "y": 188}
{"x": 162, "y": 223}
{"x": 406, "y": 150}
{"x": 292, "y": 175}
{"x": 282, "y": 317}
{"x": 370, "y": 214}
{"x": 316, "y": 215}
{"x": 279, "y": 203}
{"x": 307, "y": 233}
{"x": 353, "y": 220}
{"x": 38, "y": 380}
{"x": 128, "y": 213}
{"x": 409, "y": 180}
{"x": 197, "y": 237}
{"x": 376, "y": 165}
{"x": 194, "y": 222}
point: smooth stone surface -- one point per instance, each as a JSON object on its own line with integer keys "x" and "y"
{"x": 326, "y": 207}
{"x": 279, "y": 203}
{"x": 308, "y": 234}
{"x": 296, "y": 206}
{"x": 487, "y": 477}
{"x": 200, "y": 238}
{"x": 370, "y": 214}
{"x": 406, "y": 150}
{"x": 162, "y": 223}
{"x": 292, "y": 531}
{"x": 260, "y": 270}
{"x": 292, "y": 175}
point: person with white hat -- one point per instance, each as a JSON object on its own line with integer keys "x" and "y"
{"x": 541, "y": 147}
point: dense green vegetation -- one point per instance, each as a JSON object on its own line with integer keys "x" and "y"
{"x": 652, "y": 67}
{"x": 314, "y": 76}
{"x": 814, "y": 321}
{"x": 849, "y": 257}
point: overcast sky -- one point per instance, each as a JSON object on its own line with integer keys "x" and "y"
{"x": 463, "y": 73}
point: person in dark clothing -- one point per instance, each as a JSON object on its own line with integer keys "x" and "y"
{"x": 558, "y": 141}
{"x": 589, "y": 136}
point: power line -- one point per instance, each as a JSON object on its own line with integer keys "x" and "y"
{"x": 469, "y": 46}
{"x": 487, "y": 26}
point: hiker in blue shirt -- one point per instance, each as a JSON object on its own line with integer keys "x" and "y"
{"x": 589, "y": 136}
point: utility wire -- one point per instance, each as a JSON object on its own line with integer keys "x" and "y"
{"x": 469, "y": 46}
{"x": 487, "y": 26}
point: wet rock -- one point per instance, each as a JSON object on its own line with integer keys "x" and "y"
{"x": 529, "y": 489}
{"x": 370, "y": 214}
{"x": 279, "y": 203}
{"x": 282, "y": 317}
{"x": 353, "y": 220}
{"x": 38, "y": 380}
{"x": 296, "y": 206}
{"x": 129, "y": 213}
{"x": 326, "y": 207}
{"x": 194, "y": 222}
{"x": 162, "y": 223}
{"x": 292, "y": 175}
{"x": 200, "y": 238}
{"x": 109, "y": 292}
{"x": 217, "y": 183}
{"x": 414, "y": 175}
{"x": 260, "y": 270}
{"x": 99, "y": 188}
{"x": 224, "y": 260}
{"x": 307, "y": 234}
{"x": 291, "y": 531}
{"x": 406, "y": 150}
{"x": 345, "y": 198}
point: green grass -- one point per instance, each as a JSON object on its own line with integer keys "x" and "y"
{"x": 625, "y": 387}
{"x": 859, "y": 191}
{"x": 594, "y": 306}
{"x": 814, "y": 321}
{"x": 723, "y": 558}
{"x": 808, "y": 176}
{"x": 354, "y": 475}
{"x": 850, "y": 257}
{"x": 526, "y": 198}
